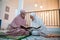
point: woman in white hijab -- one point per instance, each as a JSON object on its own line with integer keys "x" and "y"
{"x": 38, "y": 27}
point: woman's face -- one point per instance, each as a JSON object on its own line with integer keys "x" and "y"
{"x": 32, "y": 17}
{"x": 23, "y": 15}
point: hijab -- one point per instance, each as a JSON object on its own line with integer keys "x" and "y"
{"x": 38, "y": 22}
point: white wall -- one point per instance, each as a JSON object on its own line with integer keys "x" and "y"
{"x": 13, "y": 4}
{"x": 15, "y": 7}
{"x": 47, "y": 4}
{"x": 0, "y": 8}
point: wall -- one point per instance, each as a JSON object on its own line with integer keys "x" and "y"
{"x": 47, "y": 4}
{"x": 0, "y": 8}
{"x": 13, "y": 4}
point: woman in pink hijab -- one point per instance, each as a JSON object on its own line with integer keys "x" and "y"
{"x": 15, "y": 27}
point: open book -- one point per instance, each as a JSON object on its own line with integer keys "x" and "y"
{"x": 30, "y": 27}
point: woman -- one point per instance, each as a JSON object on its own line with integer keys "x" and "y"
{"x": 15, "y": 27}
{"x": 38, "y": 27}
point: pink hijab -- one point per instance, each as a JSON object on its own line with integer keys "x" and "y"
{"x": 18, "y": 20}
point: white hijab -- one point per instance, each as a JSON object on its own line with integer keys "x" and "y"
{"x": 38, "y": 22}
